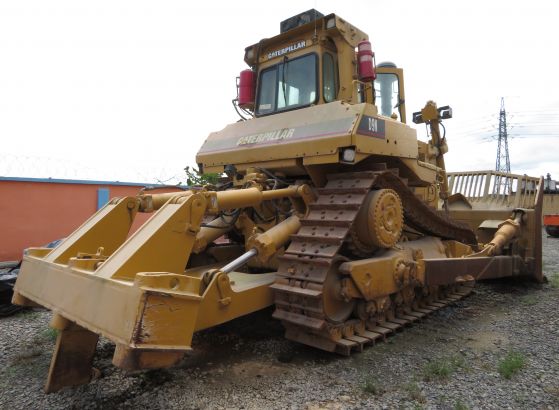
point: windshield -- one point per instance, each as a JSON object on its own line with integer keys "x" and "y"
{"x": 288, "y": 85}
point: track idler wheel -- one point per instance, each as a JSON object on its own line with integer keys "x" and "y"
{"x": 379, "y": 222}
{"x": 335, "y": 307}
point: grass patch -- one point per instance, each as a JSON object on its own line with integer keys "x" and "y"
{"x": 414, "y": 392}
{"x": 554, "y": 280}
{"x": 10, "y": 371}
{"x": 49, "y": 334}
{"x": 529, "y": 300}
{"x": 511, "y": 364}
{"x": 441, "y": 369}
{"x": 371, "y": 386}
{"x": 437, "y": 369}
{"x": 458, "y": 405}
{"x": 28, "y": 314}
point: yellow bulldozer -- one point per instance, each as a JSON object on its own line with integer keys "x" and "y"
{"x": 328, "y": 207}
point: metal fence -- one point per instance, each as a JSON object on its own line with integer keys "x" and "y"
{"x": 91, "y": 168}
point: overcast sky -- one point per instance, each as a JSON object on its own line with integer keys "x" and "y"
{"x": 129, "y": 90}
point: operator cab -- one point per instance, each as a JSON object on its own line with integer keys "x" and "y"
{"x": 314, "y": 61}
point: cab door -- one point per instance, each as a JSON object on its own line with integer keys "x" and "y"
{"x": 389, "y": 91}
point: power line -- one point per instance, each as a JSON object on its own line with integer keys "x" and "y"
{"x": 30, "y": 166}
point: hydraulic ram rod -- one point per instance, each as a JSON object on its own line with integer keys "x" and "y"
{"x": 240, "y": 261}
{"x": 266, "y": 244}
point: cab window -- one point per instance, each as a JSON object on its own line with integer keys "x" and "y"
{"x": 288, "y": 85}
{"x": 387, "y": 98}
{"x": 329, "y": 78}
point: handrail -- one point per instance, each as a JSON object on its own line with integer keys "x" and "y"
{"x": 493, "y": 187}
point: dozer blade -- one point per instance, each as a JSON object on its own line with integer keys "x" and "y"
{"x": 487, "y": 211}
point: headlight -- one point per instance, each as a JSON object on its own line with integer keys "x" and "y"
{"x": 249, "y": 53}
{"x": 348, "y": 155}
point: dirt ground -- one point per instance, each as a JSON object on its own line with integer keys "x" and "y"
{"x": 455, "y": 359}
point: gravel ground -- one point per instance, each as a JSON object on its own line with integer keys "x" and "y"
{"x": 449, "y": 361}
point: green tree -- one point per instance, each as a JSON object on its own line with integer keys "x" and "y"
{"x": 195, "y": 177}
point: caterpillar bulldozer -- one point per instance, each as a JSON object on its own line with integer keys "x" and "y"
{"x": 329, "y": 208}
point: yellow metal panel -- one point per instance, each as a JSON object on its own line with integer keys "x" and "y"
{"x": 162, "y": 244}
{"x": 375, "y": 134}
{"x": 321, "y": 159}
{"x": 249, "y": 293}
{"x": 274, "y": 52}
{"x": 373, "y": 277}
{"x": 317, "y": 130}
{"x": 166, "y": 322}
{"x": 107, "y": 228}
{"x": 423, "y": 170}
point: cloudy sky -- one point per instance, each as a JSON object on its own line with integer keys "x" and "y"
{"x": 129, "y": 90}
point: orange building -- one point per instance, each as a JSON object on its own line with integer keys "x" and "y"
{"x": 34, "y": 212}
